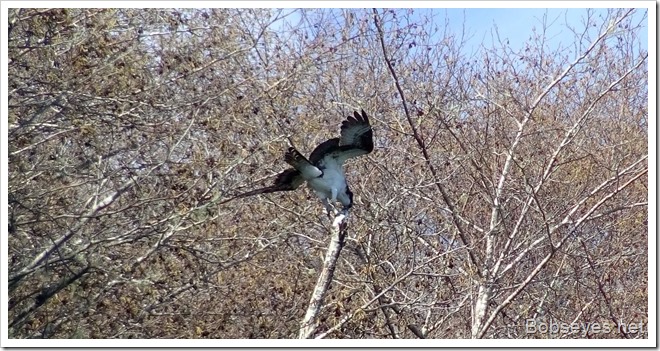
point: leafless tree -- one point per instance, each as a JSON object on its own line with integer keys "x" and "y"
{"x": 507, "y": 187}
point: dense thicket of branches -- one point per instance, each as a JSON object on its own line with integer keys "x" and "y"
{"x": 508, "y": 185}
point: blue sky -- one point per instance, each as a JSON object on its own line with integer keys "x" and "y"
{"x": 515, "y": 24}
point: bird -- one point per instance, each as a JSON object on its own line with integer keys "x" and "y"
{"x": 323, "y": 170}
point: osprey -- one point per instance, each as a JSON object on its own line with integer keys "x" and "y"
{"x": 323, "y": 171}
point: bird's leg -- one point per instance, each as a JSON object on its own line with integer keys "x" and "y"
{"x": 329, "y": 209}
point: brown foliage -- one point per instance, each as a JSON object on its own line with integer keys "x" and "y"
{"x": 505, "y": 186}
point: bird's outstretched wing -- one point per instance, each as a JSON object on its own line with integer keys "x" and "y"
{"x": 323, "y": 150}
{"x": 356, "y": 131}
{"x": 356, "y": 137}
{"x": 288, "y": 180}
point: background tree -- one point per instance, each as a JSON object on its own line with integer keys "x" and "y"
{"x": 507, "y": 185}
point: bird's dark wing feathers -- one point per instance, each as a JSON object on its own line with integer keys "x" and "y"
{"x": 356, "y": 139}
{"x": 323, "y": 149}
{"x": 356, "y": 131}
{"x": 301, "y": 164}
{"x": 288, "y": 180}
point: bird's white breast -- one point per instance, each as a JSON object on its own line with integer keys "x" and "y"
{"x": 332, "y": 182}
